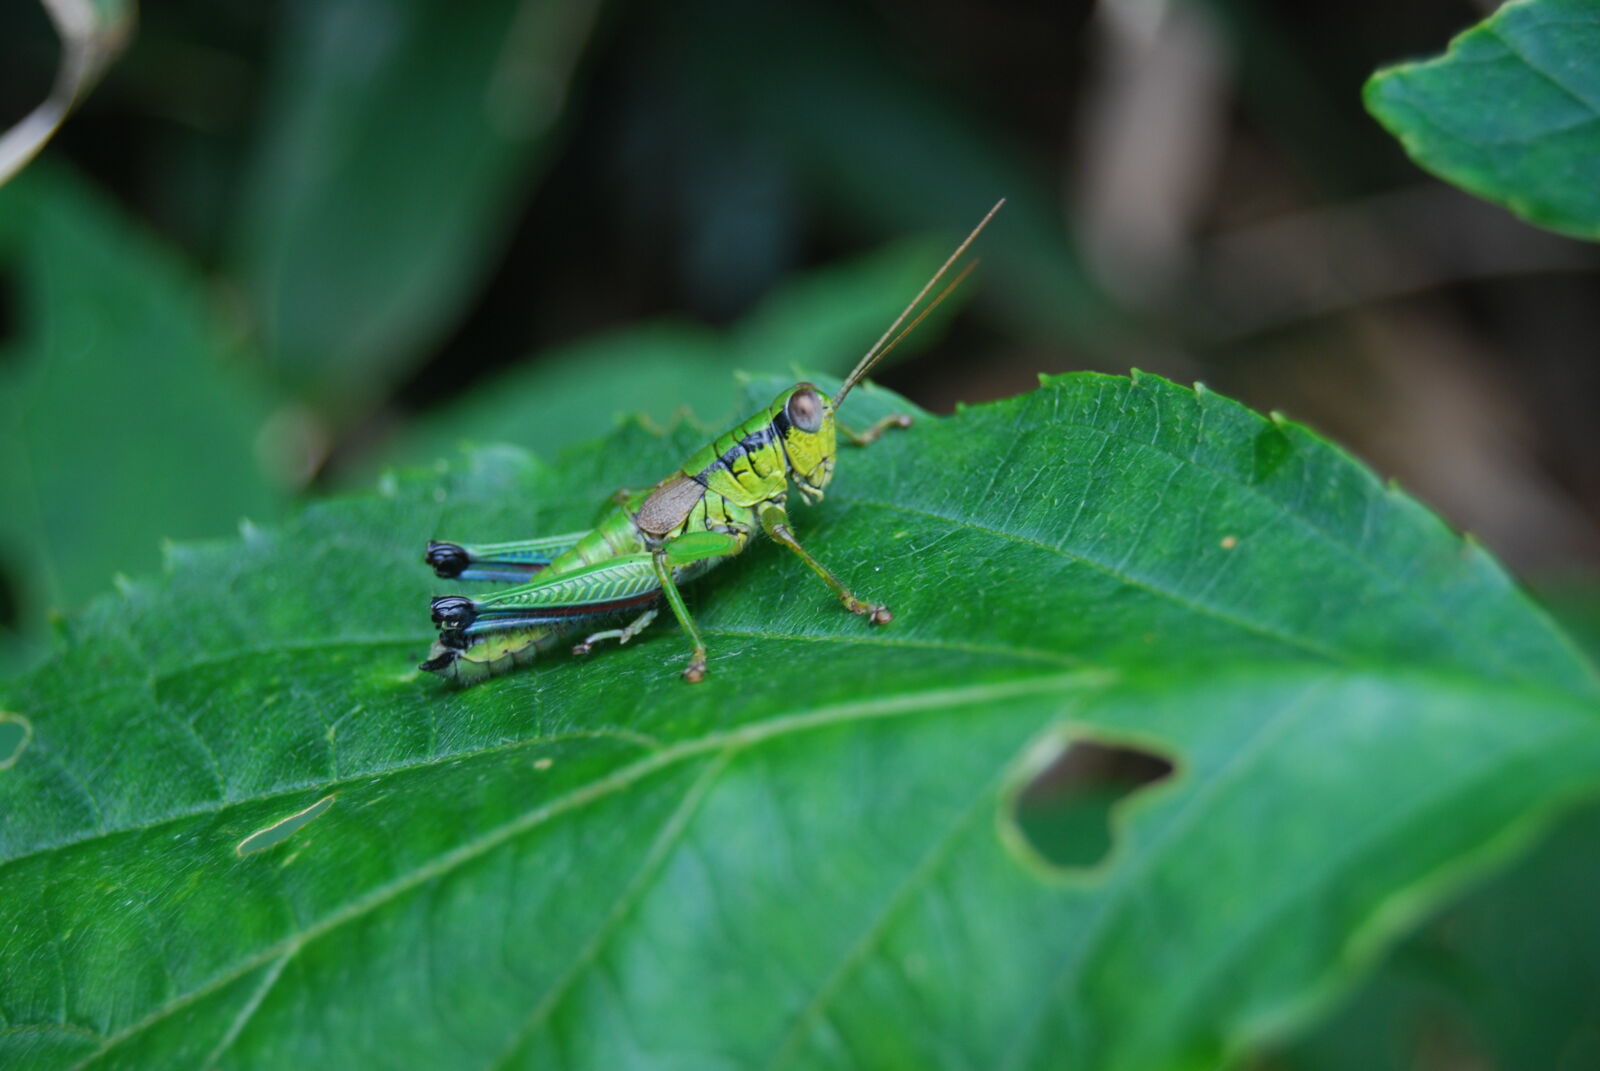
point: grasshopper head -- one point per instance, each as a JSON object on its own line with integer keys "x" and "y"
{"x": 803, "y": 418}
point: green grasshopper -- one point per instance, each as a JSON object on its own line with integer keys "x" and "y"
{"x": 653, "y": 540}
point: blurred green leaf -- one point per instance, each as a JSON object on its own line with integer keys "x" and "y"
{"x": 808, "y": 860}
{"x": 92, "y": 33}
{"x": 1511, "y": 112}
{"x": 1508, "y": 978}
{"x": 824, "y": 320}
{"x": 401, "y": 137}
{"x": 126, "y": 418}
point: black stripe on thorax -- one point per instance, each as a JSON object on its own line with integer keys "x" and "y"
{"x": 762, "y": 437}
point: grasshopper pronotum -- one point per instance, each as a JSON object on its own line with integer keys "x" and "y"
{"x": 656, "y": 539}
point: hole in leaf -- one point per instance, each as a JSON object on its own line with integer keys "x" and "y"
{"x": 16, "y": 732}
{"x": 281, "y": 830}
{"x": 1064, "y": 813}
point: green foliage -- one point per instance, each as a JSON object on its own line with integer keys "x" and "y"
{"x": 394, "y": 150}
{"x": 124, "y": 416}
{"x": 808, "y": 860}
{"x": 1511, "y": 112}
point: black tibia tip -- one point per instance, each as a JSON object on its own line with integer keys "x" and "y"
{"x": 453, "y": 612}
{"x": 438, "y": 661}
{"x": 448, "y": 559}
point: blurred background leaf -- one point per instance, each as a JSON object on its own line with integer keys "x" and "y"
{"x": 128, "y": 417}
{"x": 397, "y": 138}
{"x": 1511, "y": 112}
{"x": 822, "y": 90}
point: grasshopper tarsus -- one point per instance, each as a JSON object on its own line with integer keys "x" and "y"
{"x": 875, "y": 613}
{"x": 695, "y": 671}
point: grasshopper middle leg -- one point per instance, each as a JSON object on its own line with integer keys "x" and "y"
{"x": 687, "y": 551}
{"x": 621, "y": 635}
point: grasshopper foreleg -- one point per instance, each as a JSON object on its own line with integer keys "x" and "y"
{"x": 775, "y": 521}
{"x": 872, "y": 434}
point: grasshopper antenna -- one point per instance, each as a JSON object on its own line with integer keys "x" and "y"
{"x": 888, "y": 340}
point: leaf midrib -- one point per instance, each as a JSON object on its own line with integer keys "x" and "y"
{"x": 1021, "y": 654}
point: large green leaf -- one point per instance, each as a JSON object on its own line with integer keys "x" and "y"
{"x": 1511, "y": 112}
{"x": 126, "y": 416}
{"x": 400, "y": 137}
{"x": 806, "y": 861}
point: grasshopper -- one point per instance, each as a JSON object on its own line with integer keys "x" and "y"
{"x": 654, "y": 540}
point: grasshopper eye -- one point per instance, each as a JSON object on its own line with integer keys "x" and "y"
{"x": 805, "y": 410}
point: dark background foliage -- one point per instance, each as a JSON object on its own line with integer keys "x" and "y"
{"x": 1218, "y": 206}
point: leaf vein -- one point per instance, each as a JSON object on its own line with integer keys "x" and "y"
{"x": 923, "y": 870}
{"x": 671, "y": 834}
{"x": 248, "y": 1010}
